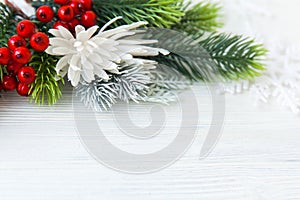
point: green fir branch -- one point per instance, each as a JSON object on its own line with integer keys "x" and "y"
{"x": 203, "y": 16}
{"x": 158, "y": 13}
{"x": 209, "y": 58}
{"x": 235, "y": 56}
{"x": 7, "y": 24}
{"x": 37, "y": 3}
{"x": 47, "y": 86}
{"x": 7, "y": 28}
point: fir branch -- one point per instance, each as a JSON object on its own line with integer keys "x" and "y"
{"x": 132, "y": 83}
{"x": 236, "y": 57}
{"x": 37, "y": 3}
{"x": 162, "y": 96}
{"x": 1, "y": 73}
{"x": 186, "y": 56}
{"x": 7, "y": 24}
{"x": 200, "y": 17}
{"x": 47, "y": 86}
{"x": 165, "y": 84}
{"x": 98, "y": 95}
{"x": 158, "y": 13}
{"x": 219, "y": 55}
{"x": 168, "y": 78}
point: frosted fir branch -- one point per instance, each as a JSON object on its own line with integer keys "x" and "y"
{"x": 132, "y": 83}
{"x": 162, "y": 96}
{"x": 166, "y": 84}
{"x": 98, "y": 95}
{"x": 169, "y": 78}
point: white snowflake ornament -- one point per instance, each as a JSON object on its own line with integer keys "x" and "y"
{"x": 91, "y": 54}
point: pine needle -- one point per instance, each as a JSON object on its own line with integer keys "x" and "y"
{"x": 203, "y": 16}
{"x": 207, "y": 58}
{"x": 46, "y": 88}
{"x": 158, "y": 13}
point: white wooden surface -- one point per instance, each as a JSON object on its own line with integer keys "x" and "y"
{"x": 257, "y": 158}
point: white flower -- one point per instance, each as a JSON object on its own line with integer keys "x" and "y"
{"x": 89, "y": 55}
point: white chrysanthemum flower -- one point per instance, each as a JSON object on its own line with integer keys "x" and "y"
{"x": 89, "y": 54}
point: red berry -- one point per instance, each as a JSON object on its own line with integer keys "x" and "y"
{"x": 5, "y": 56}
{"x": 61, "y": 2}
{"x": 88, "y": 19}
{"x": 45, "y": 14}
{"x": 77, "y": 7}
{"x": 65, "y": 13}
{"x": 23, "y": 89}
{"x": 9, "y": 82}
{"x": 25, "y": 28}
{"x": 21, "y": 55}
{"x": 87, "y": 4}
{"x": 39, "y": 41}
{"x": 13, "y": 68}
{"x": 16, "y": 41}
{"x": 73, "y": 24}
{"x": 59, "y": 23}
{"x": 26, "y": 75}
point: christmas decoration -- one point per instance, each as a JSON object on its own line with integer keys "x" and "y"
{"x": 108, "y": 54}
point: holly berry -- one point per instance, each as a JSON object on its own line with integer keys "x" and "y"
{"x": 23, "y": 89}
{"x": 9, "y": 82}
{"x": 77, "y": 7}
{"x": 61, "y": 2}
{"x": 26, "y": 75}
{"x": 15, "y": 42}
{"x": 88, "y": 19}
{"x": 21, "y": 55}
{"x": 87, "y": 4}
{"x": 25, "y": 28}
{"x": 39, "y": 41}
{"x": 59, "y": 23}
{"x": 73, "y": 24}
{"x": 5, "y": 56}
{"x": 45, "y": 14}
{"x": 13, "y": 68}
{"x": 65, "y": 13}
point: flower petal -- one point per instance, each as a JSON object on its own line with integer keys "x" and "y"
{"x": 55, "y": 33}
{"x": 88, "y": 75}
{"x": 101, "y": 73}
{"x": 75, "y": 62}
{"x": 65, "y": 33}
{"x": 78, "y": 29}
{"x": 49, "y": 50}
{"x": 62, "y": 63}
{"x": 73, "y": 76}
{"x": 60, "y": 51}
{"x": 61, "y": 42}
{"x": 86, "y": 35}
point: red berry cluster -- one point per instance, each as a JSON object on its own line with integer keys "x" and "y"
{"x": 17, "y": 56}
{"x": 70, "y": 14}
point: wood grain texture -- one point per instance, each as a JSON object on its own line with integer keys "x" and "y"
{"x": 42, "y": 158}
